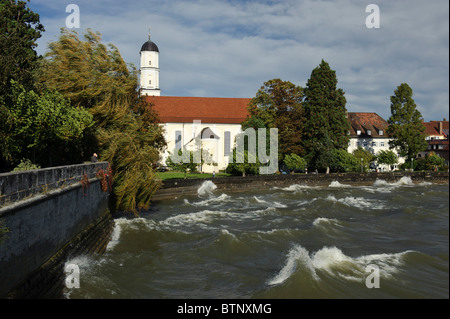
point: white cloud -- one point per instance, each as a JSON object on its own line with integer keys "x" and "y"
{"x": 229, "y": 48}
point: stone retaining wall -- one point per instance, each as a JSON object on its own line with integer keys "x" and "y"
{"x": 179, "y": 187}
{"x": 47, "y": 228}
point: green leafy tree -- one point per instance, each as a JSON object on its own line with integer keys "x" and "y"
{"x": 46, "y": 128}
{"x": 364, "y": 157}
{"x": 294, "y": 162}
{"x": 19, "y": 30}
{"x": 326, "y": 124}
{"x": 250, "y": 164}
{"x": 88, "y": 72}
{"x": 434, "y": 161}
{"x": 187, "y": 164}
{"x": 26, "y": 165}
{"x": 406, "y": 124}
{"x": 130, "y": 149}
{"x": 278, "y": 104}
{"x": 344, "y": 161}
{"x": 387, "y": 157}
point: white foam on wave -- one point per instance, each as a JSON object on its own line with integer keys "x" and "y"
{"x": 115, "y": 236}
{"x": 119, "y": 224}
{"x": 358, "y": 202}
{"x": 207, "y": 188}
{"x": 226, "y": 235}
{"x": 202, "y": 217}
{"x": 296, "y": 188}
{"x": 278, "y": 231}
{"x": 306, "y": 202}
{"x": 295, "y": 255}
{"x": 259, "y": 213}
{"x": 271, "y": 204}
{"x": 333, "y": 261}
{"x": 382, "y": 186}
{"x": 336, "y": 184}
{"x": 404, "y": 180}
{"x": 214, "y": 200}
{"x": 124, "y": 223}
{"x": 323, "y": 220}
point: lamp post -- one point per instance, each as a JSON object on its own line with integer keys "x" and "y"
{"x": 361, "y": 164}
{"x": 412, "y": 164}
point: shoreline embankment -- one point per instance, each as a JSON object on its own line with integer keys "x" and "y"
{"x": 174, "y": 188}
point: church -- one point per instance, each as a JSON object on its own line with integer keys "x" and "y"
{"x": 212, "y": 124}
{"x": 190, "y": 121}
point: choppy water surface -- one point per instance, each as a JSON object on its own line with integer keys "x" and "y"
{"x": 293, "y": 242}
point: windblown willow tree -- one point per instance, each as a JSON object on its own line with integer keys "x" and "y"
{"x": 96, "y": 77}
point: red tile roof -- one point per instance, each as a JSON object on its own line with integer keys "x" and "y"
{"x": 366, "y": 122}
{"x": 432, "y": 128}
{"x": 175, "y": 109}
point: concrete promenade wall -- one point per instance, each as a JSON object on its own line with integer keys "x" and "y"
{"x": 50, "y": 216}
{"x": 179, "y": 187}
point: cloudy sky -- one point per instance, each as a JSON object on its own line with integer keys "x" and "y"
{"x": 229, "y": 48}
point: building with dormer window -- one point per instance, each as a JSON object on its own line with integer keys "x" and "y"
{"x": 369, "y": 131}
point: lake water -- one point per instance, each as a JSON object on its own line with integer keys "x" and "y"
{"x": 384, "y": 240}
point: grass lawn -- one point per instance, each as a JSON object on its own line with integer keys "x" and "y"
{"x": 175, "y": 174}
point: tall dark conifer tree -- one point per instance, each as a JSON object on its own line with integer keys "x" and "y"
{"x": 406, "y": 123}
{"x": 19, "y": 30}
{"x": 326, "y": 123}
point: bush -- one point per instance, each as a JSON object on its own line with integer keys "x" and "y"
{"x": 345, "y": 162}
{"x": 25, "y": 165}
{"x": 294, "y": 162}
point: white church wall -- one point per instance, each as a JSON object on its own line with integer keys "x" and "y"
{"x": 216, "y": 147}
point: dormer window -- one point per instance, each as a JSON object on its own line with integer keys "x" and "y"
{"x": 369, "y": 132}
{"x": 380, "y": 132}
{"x": 358, "y": 132}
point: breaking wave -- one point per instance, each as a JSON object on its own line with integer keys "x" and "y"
{"x": 382, "y": 186}
{"x": 207, "y": 188}
{"x": 271, "y": 204}
{"x": 327, "y": 221}
{"x": 336, "y": 184}
{"x": 333, "y": 261}
{"x": 213, "y": 200}
{"x": 297, "y": 188}
{"x": 358, "y": 202}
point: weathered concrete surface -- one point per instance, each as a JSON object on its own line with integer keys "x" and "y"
{"x": 49, "y": 227}
{"x": 15, "y": 186}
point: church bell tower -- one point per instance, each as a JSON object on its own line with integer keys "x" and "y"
{"x": 149, "y": 70}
